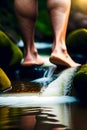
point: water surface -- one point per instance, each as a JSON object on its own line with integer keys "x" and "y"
{"x": 42, "y": 103}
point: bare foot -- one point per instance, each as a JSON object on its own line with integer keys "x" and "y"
{"x": 39, "y": 60}
{"x": 61, "y": 57}
{"x": 35, "y": 60}
{"x": 26, "y": 62}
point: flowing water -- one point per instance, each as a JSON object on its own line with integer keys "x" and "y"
{"x": 49, "y": 109}
{"x": 42, "y": 103}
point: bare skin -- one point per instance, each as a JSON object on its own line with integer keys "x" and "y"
{"x": 27, "y": 17}
{"x": 27, "y": 11}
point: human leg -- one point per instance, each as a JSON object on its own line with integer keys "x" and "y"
{"x": 59, "y": 13}
{"x": 26, "y": 12}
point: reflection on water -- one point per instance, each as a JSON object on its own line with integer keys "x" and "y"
{"x": 46, "y": 118}
{"x": 35, "y": 118}
{"x": 25, "y": 108}
{"x": 55, "y": 117}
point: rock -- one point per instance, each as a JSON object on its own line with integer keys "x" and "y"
{"x": 77, "y": 41}
{"x": 80, "y": 83}
{"x": 5, "y": 83}
{"x": 10, "y": 54}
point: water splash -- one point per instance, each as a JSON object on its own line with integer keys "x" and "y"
{"x": 54, "y": 94}
{"x": 26, "y": 100}
{"x": 62, "y": 85}
{"x": 50, "y": 71}
{"x": 47, "y": 77}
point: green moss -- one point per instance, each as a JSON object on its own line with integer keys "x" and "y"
{"x": 82, "y": 69}
{"x": 80, "y": 82}
{"x": 81, "y": 76}
{"x": 77, "y": 41}
{"x": 5, "y": 82}
{"x": 10, "y": 54}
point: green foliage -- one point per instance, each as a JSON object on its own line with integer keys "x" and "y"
{"x": 8, "y": 19}
{"x": 43, "y": 23}
{"x": 7, "y": 15}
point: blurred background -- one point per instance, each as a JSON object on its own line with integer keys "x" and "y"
{"x": 8, "y": 21}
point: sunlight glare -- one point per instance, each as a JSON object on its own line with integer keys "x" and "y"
{"x": 82, "y": 4}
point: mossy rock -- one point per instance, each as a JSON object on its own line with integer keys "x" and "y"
{"x": 5, "y": 83}
{"x": 80, "y": 83}
{"x": 10, "y": 53}
{"x": 77, "y": 41}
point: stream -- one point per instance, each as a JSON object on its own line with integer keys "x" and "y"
{"x": 42, "y": 101}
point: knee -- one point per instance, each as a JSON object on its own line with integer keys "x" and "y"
{"x": 27, "y": 8}
{"x": 63, "y": 5}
